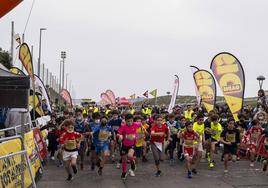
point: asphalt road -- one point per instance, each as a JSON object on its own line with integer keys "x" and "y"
{"x": 240, "y": 176}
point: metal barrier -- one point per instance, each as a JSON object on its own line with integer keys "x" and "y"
{"x": 15, "y": 128}
{"x": 22, "y": 153}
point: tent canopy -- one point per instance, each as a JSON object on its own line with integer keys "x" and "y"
{"x": 14, "y": 90}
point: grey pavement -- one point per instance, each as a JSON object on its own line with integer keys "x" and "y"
{"x": 240, "y": 176}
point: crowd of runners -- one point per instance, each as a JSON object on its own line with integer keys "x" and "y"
{"x": 127, "y": 136}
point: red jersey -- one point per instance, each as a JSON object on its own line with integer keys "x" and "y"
{"x": 254, "y": 134}
{"x": 156, "y": 129}
{"x": 70, "y": 140}
{"x": 189, "y": 137}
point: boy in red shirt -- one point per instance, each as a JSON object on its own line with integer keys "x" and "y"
{"x": 158, "y": 133}
{"x": 251, "y": 138}
{"x": 188, "y": 138}
{"x": 70, "y": 142}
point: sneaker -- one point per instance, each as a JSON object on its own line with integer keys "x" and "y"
{"x": 225, "y": 171}
{"x": 92, "y": 167}
{"x": 123, "y": 175}
{"x": 189, "y": 174}
{"x": 100, "y": 171}
{"x": 211, "y": 165}
{"x": 158, "y": 173}
{"x": 70, "y": 177}
{"x": 53, "y": 158}
{"x": 118, "y": 165}
{"x": 131, "y": 173}
{"x": 194, "y": 171}
{"x": 251, "y": 165}
{"x": 74, "y": 169}
{"x": 81, "y": 167}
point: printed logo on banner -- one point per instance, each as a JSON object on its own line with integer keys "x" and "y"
{"x": 230, "y": 76}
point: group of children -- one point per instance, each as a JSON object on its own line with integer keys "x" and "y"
{"x": 133, "y": 136}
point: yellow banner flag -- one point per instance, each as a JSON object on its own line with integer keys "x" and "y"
{"x": 230, "y": 76}
{"x": 26, "y": 59}
{"x": 206, "y": 88}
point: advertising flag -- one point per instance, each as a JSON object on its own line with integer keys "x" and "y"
{"x": 198, "y": 97}
{"x": 105, "y": 99}
{"x": 16, "y": 70}
{"x": 111, "y": 95}
{"x": 206, "y": 87}
{"x": 145, "y": 94}
{"x": 26, "y": 59}
{"x": 174, "y": 94}
{"x": 154, "y": 92}
{"x": 229, "y": 74}
{"x": 66, "y": 96}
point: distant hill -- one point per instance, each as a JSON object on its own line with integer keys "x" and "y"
{"x": 186, "y": 99}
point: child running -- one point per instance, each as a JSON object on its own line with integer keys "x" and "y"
{"x": 188, "y": 138}
{"x": 127, "y": 134}
{"x": 252, "y": 137}
{"x": 230, "y": 137}
{"x": 158, "y": 133}
{"x": 101, "y": 136}
{"x": 70, "y": 143}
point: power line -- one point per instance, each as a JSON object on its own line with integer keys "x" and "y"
{"x": 29, "y": 16}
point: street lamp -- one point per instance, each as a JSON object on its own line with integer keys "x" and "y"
{"x": 39, "y": 58}
{"x": 260, "y": 79}
{"x": 67, "y": 74}
{"x": 63, "y": 56}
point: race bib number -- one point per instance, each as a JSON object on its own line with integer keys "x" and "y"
{"x": 130, "y": 137}
{"x": 103, "y": 136}
{"x": 230, "y": 138}
{"x": 255, "y": 135}
{"x": 189, "y": 142}
{"x": 70, "y": 144}
{"x": 173, "y": 130}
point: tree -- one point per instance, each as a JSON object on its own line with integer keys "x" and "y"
{"x": 5, "y": 59}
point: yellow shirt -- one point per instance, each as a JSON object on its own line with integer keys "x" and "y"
{"x": 188, "y": 115}
{"x": 216, "y": 128}
{"x": 140, "y": 137}
{"x": 199, "y": 129}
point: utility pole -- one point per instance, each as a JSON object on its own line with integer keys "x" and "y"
{"x": 12, "y": 43}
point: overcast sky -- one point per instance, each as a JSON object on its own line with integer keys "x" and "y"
{"x": 131, "y": 46}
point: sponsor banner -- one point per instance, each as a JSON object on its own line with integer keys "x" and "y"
{"x": 206, "y": 87}
{"x": 229, "y": 74}
{"x": 174, "y": 94}
{"x": 26, "y": 59}
{"x": 111, "y": 95}
{"x": 66, "y": 96}
{"x": 198, "y": 97}
{"x": 105, "y": 99}
{"x": 40, "y": 142}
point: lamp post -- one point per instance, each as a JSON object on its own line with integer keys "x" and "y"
{"x": 67, "y": 74}
{"x": 63, "y": 56}
{"x": 260, "y": 79}
{"x": 39, "y": 58}
{"x": 60, "y": 88}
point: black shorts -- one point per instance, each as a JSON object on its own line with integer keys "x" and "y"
{"x": 139, "y": 151}
{"x": 124, "y": 149}
{"x": 230, "y": 150}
